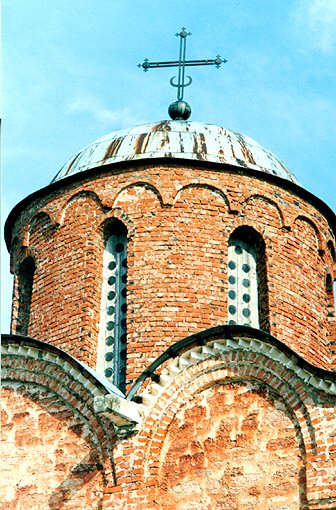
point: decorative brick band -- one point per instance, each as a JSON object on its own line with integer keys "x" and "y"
{"x": 226, "y": 338}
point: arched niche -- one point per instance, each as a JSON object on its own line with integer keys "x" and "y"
{"x": 233, "y": 443}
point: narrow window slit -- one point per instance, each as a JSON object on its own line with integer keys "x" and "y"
{"x": 25, "y": 280}
{"x": 247, "y": 280}
{"x": 331, "y": 298}
{"x": 111, "y": 360}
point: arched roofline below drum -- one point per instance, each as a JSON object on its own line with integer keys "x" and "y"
{"x": 229, "y": 332}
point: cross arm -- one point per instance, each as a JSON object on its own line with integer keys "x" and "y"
{"x": 175, "y": 63}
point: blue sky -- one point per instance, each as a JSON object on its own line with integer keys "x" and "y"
{"x": 71, "y": 76}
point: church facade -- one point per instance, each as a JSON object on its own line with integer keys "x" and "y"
{"x": 173, "y": 338}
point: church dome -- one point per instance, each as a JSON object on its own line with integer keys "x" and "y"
{"x": 176, "y": 139}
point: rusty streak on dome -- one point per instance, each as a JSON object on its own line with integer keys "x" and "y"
{"x": 176, "y": 139}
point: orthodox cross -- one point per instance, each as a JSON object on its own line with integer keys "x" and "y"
{"x": 181, "y": 63}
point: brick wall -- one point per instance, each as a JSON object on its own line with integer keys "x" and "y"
{"x": 56, "y": 452}
{"x": 233, "y": 423}
{"x": 50, "y": 459}
{"x": 242, "y": 428}
{"x": 232, "y": 447}
{"x": 179, "y": 221}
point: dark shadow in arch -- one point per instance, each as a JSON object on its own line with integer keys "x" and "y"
{"x": 25, "y": 281}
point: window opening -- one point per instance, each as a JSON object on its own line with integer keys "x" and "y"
{"x": 331, "y": 299}
{"x": 112, "y": 342}
{"x": 25, "y": 276}
{"x": 247, "y": 280}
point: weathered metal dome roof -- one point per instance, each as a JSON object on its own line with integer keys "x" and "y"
{"x": 176, "y": 139}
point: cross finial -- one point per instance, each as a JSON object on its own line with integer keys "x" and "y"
{"x": 180, "y": 109}
{"x": 183, "y": 33}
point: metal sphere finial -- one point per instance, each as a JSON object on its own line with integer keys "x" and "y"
{"x": 179, "y": 110}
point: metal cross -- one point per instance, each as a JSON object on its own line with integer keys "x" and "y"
{"x": 182, "y": 63}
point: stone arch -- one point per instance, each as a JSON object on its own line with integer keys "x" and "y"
{"x": 203, "y": 186}
{"x": 89, "y": 196}
{"x": 272, "y": 207}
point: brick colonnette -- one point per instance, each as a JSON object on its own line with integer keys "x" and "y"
{"x": 179, "y": 220}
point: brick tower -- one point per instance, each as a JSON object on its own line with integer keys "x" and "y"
{"x": 173, "y": 330}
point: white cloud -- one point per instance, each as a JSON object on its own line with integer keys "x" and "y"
{"x": 93, "y": 106}
{"x": 317, "y": 19}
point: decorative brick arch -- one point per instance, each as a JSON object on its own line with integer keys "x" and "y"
{"x": 210, "y": 372}
{"x": 55, "y": 438}
{"x": 138, "y": 184}
{"x": 41, "y": 219}
{"x": 25, "y": 253}
{"x": 117, "y": 214}
{"x": 30, "y": 361}
{"x": 318, "y": 236}
{"x": 201, "y": 186}
{"x": 212, "y": 450}
{"x": 263, "y": 199}
{"x": 219, "y": 360}
{"x": 243, "y": 221}
{"x": 87, "y": 194}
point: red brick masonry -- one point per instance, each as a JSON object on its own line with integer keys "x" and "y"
{"x": 234, "y": 422}
{"x": 179, "y": 221}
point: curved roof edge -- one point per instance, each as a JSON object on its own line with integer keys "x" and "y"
{"x": 279, "y": 181}
{"x": 88, "y": 372}
{"x": 176, "y": 139}
{"x": 232, "y": 332}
